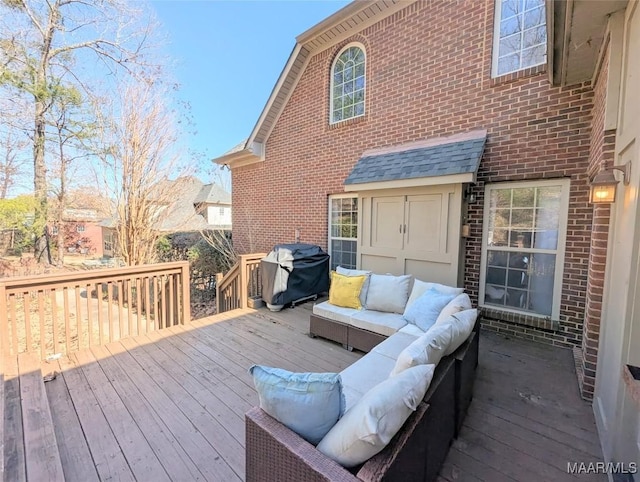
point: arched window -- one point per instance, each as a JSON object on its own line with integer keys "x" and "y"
{"x": 348, "y": 84}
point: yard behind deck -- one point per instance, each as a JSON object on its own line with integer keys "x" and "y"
{"x": 170, "y": 405}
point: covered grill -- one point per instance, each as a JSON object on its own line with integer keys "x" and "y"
{"x": 292, "y": 273}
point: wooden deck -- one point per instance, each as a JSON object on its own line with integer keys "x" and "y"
{"x": 170, "y": 405}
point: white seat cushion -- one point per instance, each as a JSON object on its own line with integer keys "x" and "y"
{"x": 411, "y": 329}
{"x": 393, "y": 346}
{"x": 368, "y": 426}
{"x": 382, "y": 323}
{"x": 335, "y": 313}
{"x": 363, "y": 375}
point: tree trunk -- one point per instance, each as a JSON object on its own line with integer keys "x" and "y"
{"x": 40, "y": 184}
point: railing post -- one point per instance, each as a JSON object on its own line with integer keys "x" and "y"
{"x": 219, "y": 277}
{"x": 4, "y": 322}
{"x": 186, "y": 293}
{"x": 244, "y": 293}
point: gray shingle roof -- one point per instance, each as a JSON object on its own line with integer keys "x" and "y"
{"x": 212, "y": 194}
{"x": 441, "y": 159}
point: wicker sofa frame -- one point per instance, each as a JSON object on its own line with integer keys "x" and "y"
{"x": 416, "y": 453}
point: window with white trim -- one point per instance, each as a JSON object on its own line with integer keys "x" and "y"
{"x": 343, "y": 230}
{"x": 524, "y": 235}
{"x": 348, "y": 84}
{"x": 520, "y": 36}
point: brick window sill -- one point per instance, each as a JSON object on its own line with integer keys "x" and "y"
{"x": 348, "y": 122}
{"x": 520, "y": 74}
{"x": 519, "y": 319}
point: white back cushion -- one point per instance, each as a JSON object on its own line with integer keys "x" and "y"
{"x": 459, "y": 303}
{"x": 368, "y": 426}
{"x": 388, "y": 293}
{"x": 358, "y": 272}
{"x": 427, "y": 349}
{"x": 462, "y": 324}
{"x": 419, "y": 287}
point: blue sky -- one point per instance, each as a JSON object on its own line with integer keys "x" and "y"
{"x": 229, "y": 55}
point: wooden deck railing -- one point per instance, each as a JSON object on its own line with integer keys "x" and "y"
{"x": 64, "y": 313}
{"x": 240, "y": 283}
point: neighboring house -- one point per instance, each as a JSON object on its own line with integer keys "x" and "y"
{"x": 198, "y": 207}
{"x": 82, "y": 231}
{"x": 214, "y": 203}
{"x": 458, "y": 141}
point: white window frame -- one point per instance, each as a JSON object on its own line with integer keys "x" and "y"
{"x": 496, "y": 43}
{"x": 559, "y": 251}
{"x": 333, "y": 65}
{"x": 329, "y": 212}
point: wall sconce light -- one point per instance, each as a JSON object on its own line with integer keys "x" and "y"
{"x": 603, "y": 185}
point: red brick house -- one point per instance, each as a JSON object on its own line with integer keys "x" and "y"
{"x": 456, "y": 141}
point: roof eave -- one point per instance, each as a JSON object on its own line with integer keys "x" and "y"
{"x": 467, "y": 177}
{"x": 252, "y": 154}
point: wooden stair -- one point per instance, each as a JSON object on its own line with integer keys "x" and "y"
{"x": 28, "y": 441}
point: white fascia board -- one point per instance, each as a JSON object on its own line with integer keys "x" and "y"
{"x": 250, "y": 155}
{"x": 415, "y": 182}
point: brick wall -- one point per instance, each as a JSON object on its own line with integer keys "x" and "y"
{"x": 428, "y": 74}
{"x": 601, "y": 155}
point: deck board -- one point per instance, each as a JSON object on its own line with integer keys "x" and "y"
{"x": 183, "y": 392}
{"x": 74, "y": 451}
{"x": 14, "y": 455}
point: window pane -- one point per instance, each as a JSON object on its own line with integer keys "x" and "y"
{"x": 510, "y": 26}
{"x": 501, "y": 198}
{"x": 348, "y": 112}
{"x": 359, "y": 70}
{"x": 511, "y": 8}
{"x": 498, "y": 237}
{"x": 533, "y": 18}
{"x": 534, "y": 56}
{"x": 522, "y": 218}
{"x": 530, "y": 4}
{"x": 524, "y": 198}
{"x": 496, "y": 275}
{"x": 337, "y": 115}
{"x": 508, "y": 64}
{"x": 549, "y": 197}
{"x": 542, "y": 283}
{"x": 510, "y": 44}
{"x": 359, "y": 109}
{"x": 534, "y": 36}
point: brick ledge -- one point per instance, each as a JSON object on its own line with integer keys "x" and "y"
{"x": 520, "y": 319}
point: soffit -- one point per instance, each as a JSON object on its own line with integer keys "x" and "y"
{"x": 578, "y": 32}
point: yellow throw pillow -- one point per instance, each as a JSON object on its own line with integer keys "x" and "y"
{"x": 345, "y": 290}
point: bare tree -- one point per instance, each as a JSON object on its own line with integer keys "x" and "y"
{"x": 137, "y": 165}
{"x": 12, "y": 162}
{"x": 69, "y": 133}
{"x": 43, "y": 48}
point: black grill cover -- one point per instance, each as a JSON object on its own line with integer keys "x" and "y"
{"x": 291, "y": 272}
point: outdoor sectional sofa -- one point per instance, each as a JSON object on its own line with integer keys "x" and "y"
{"x": 416, "y": 452}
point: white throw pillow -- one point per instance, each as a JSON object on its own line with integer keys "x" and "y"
{"x": 459, "y": 303}
{"x": 419, "y": 287}
{"x": 427, "y": 349}
{"x": 358, "y": 272}
{"x": 388, "y": 293}
{"x": 368, "y": 426}
{"x": 426, "y": 309}
{"x": 462, "y": 324}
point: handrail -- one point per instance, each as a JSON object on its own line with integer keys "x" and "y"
{"x": 240, "y": 283}
{"x": 63, "y": 313}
